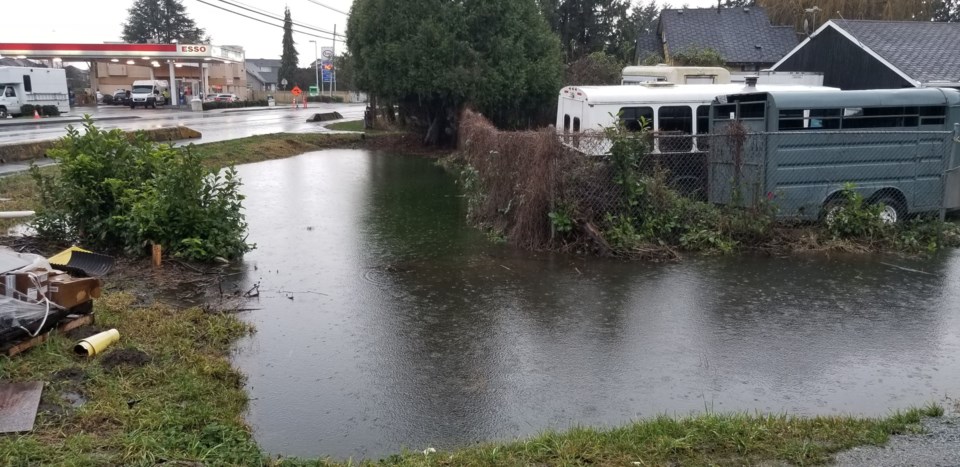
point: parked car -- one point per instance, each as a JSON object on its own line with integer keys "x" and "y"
{"x": 226, "y": 98}
{"x": 121, "y": 97}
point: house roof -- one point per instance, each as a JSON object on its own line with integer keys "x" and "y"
{"x": 268, "y": 77}
{"x": 924, "y": 51}
{"x": 740, "y": 35}
{"x": 648, "y": 45}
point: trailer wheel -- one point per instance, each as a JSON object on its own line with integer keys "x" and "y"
{"x": 893, "y": 209}
{"x": 133, "y": 106}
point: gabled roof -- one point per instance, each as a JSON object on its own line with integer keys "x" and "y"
{"x": 924, "y": 51}
{"x": 740, "y": 35}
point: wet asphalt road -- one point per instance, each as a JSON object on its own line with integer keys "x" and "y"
{"x": 215, "y": 125}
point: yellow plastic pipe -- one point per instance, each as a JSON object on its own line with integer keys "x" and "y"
{"x": 96, "y": 343}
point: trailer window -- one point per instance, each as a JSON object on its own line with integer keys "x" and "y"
{"x": 880, "y": 117}
{"x": 752, "y": 110}
{"x": 566, "y": 123}
{"x": 725, "y": 112}
{"x": 576, "y": 124}
{"x": 703, "y": 119}
{"x": 634, "y": 118}
{"x": 676, "y": 119}
{"x": 936, "y": 115}
{"x": 26, "y": 84}
{"x": 791, "y": 119}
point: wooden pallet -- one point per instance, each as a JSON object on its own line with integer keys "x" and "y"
{"x": 69, "y": 323}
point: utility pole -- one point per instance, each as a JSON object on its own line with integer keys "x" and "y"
{"x": 333, "y": 60}
{"x": 316, "y": 66}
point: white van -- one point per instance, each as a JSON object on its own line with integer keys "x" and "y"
{"x": 20, "y": 86}
{"x": 149, "y": 93}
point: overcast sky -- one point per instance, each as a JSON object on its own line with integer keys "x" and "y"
{"x": 100, "y": 21}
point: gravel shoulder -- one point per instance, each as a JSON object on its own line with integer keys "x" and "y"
{"x": 937, "y": 446}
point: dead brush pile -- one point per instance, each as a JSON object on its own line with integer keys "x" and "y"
{"x": 510, "y": 179}
{"x": 515, "y": 179}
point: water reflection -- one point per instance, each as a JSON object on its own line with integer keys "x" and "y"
{"x": 386, "y": 323}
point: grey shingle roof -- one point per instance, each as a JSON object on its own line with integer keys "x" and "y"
{"x": 925, "y": 51}
{"x": 269, "y": 77}
{"x": 648, "y": 44}
{"x": 740, "y": 35}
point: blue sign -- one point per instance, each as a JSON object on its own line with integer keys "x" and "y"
{"x": 326, "y": 69}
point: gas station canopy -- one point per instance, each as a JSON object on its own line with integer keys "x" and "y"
{"x": 88, "y": 52}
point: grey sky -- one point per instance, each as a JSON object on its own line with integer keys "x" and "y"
{"x": 100, "y": 21}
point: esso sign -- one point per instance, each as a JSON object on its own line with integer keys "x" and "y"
{"x": 194, "y": 49}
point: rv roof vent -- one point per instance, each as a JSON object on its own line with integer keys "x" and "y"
{"x": 658, "y": 84}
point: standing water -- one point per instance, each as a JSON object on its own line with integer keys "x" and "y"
{"x": 386, "y": 323}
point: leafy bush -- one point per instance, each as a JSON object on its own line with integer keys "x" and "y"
{"x": 233, "y": 105}
{"x": 27, "y": 109}
{"x": 848, "y": 216}
{"x": 325, "y": 99}
{"x": 697, "y": 57}
{"x": 118, "y": 194}
{"x": 50, "y": 111}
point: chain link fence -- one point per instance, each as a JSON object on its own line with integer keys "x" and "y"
{"x": 797, "y": 176}
{"x": 799, "y": 173}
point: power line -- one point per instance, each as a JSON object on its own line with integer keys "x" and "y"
{"x": 262, "y": 21}
{"x": 271, "y": 16}
{"x": 329, "y": 7}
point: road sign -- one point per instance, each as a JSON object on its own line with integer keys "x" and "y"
{"x": 326, "y": 67}
{"x": 284, "y": 82}
{"x": 314, "y": 91}
{"x": 326, "y": 53}
{"x": 296, "y": 91}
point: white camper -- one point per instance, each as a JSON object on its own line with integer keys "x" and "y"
{"x": 674, "y": 74}
{"x": 34, "y": 86}
{"x": 149, "y": 93}
{"x": 665, "y": 106}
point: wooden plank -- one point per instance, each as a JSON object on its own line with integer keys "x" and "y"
{"x": 18, "y": 406}
{"x": 63, "y": 327}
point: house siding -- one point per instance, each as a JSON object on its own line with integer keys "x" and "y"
{"x": 843, "y": 63}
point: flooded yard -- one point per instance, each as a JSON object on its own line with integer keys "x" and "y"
{"x": 385, "y": 322}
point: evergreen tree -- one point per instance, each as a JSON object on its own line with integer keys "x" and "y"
{"x": 432, "y": 57}
{"x": 163, "y": 21}
{"x": 288, "y": 59}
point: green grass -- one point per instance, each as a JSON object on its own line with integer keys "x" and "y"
{"x": 191, "y": 400}
{"x": 353, "y": 125}
{"x": 273, "y": 146}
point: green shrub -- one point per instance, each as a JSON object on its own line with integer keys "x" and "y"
{"x": 50, "y": 111}
{"x": 233, "y": 105}
{"x": 848, "y": 216}
{"x": 117, "y": 194}
{"x": 325, "y": 99}
{"x": 27, "y": 109}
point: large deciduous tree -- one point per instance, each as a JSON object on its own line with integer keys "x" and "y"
{"x": 289, "y": 56}
{"x": 163, "y": 21}
{"x": 433, "y": 57}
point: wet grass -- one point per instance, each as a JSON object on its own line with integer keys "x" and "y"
{"x": 183, "y": 403}
{"x": 273, "y": 146}
{"x": 355, "y": 125}
{"x": 710, "y": 439}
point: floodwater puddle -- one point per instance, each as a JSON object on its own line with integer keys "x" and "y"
{"x": 385, "y": 322}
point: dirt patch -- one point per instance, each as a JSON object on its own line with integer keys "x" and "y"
{"x": 126, "y": 358}
{"x": 83, "y": 332}
{"x": 74, "y": 375}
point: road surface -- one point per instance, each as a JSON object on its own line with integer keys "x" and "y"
{"x": 216, "y": 125}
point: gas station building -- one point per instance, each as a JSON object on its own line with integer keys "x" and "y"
{"x": 193, "y": 69}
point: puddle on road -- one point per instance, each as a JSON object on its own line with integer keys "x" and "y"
{"x": 384, "y": 322}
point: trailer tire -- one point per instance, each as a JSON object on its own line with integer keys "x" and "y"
{"x": 133, "y": 106}
{"x": 893, "y": 209}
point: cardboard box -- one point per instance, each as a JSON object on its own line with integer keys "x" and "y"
{"x": 68, "y": 291}
{"x": 22, "y": 286}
